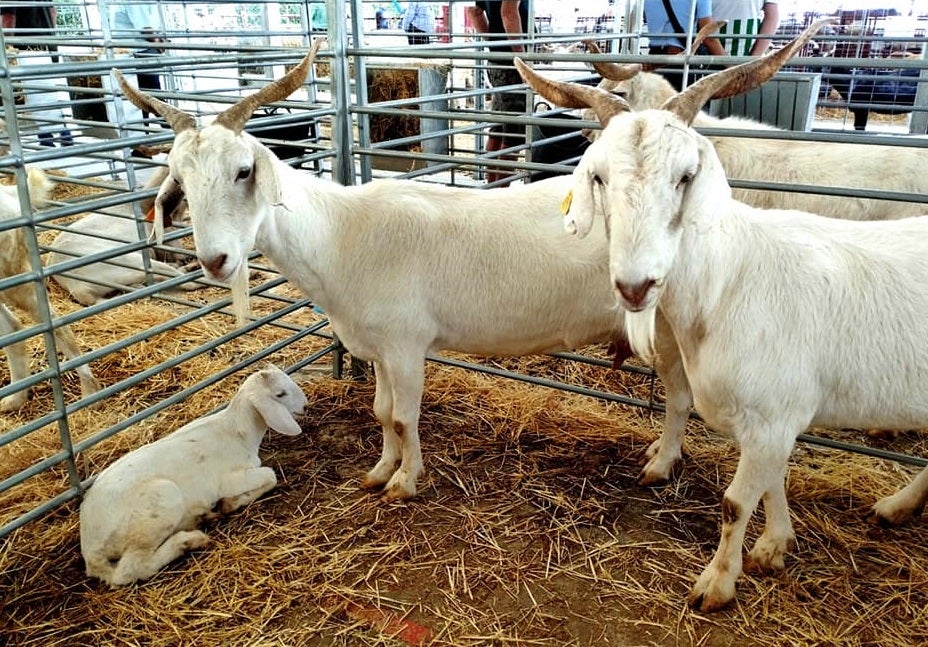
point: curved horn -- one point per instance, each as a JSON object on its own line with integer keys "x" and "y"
{"x": 573, "y": 95}
{"x": 178, "y": 120}
{"x": 613, "y": 71}
{"x": 737, "y": 80}
{"x": 234, "y": 118}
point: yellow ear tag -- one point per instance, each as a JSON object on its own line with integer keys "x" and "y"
{"x": 565, "y": 203}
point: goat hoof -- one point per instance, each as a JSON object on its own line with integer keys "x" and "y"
{"x": 646, "y": 479}
{"x": 370, "y": 483}
{"x": 13, "y": 402}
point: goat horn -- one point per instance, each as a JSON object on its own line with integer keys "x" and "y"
{"x": 623, "y": 72}
{"x": 573, "y": 95}
{"x": 178, "y": 120}
{"x": 737, "y": 80}
{"x": 234, "y": 118}
{"x": 612, "y": 71}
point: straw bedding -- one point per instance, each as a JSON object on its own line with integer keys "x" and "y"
{"x": 529, "y": 528}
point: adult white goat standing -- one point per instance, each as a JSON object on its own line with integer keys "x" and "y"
{"x": 142, "y": 512}
{"x": 104, "y": 232}
{"x": 14, "y": 260}
{"x": 784, "y": 319}
{"x": 401, "y": 268}
{"x": 823, "y": 164}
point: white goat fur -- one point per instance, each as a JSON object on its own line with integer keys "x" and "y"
{"x": 142, "y": 511}
{"x": 402, "y": 268}
{"x": 784, "y": 319}
{"x": 97, "y": 233}
{"x": 14, "y": 260}
{"x": 824, "y": 164}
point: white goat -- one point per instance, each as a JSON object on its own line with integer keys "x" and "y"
{"x": 823, "y": 164}
{"x": 98, "y": 233}
{"x": 142, "y": 512}
{"x": 784, "y": 319}
{"x": 14, "y": 260}
{"x": 401, "y": 268}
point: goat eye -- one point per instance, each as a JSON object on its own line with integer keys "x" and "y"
{"x": 684, "y": 180}
{"x": 282, "y": 394}
{"x": 243, "y": 173}
{"x": 598, "y": 180}
{"x": 177, "y": 181}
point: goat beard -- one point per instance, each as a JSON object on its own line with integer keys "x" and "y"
{"x": 639, "y": 328}
{"x": 240, "y": 300}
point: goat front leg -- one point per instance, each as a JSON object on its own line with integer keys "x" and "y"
{"x": 761, "y": 465}
{"x": 16, "y": 355}
{"x": 242, "y": 487}
{"x": 904, "y": 504}
{"x": 406, "y": 376}
{"x": 391, "y": 452}
{"x": 665, "y": 452}
{"x": 778, "y": 536}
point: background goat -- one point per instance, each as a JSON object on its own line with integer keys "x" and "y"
{"x": 824, "y": 164}
{"x": 14, "y": 260}
{"x": 401, "y": 268}
{"x": 782, "y": 317}
{"x": 142, "y": 512}
{"x": 98, "y": 233}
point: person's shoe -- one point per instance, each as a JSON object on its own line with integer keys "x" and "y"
{"x": 66, "y": 139}
{"x": 46, "y": 139}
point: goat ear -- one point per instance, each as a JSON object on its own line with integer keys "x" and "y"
{"x": 266, "y": 181}
{"x": 169, "y": 197}
{"x": 579, "y": 205}
{"x": 276, "y": 416}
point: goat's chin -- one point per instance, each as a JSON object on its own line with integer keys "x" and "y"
{"x": 639, "y": 328}
{"x": 238, "y": 282}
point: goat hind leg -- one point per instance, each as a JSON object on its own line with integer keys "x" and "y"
{"x": 142, "y": 563}
{"x": 16, "y": 355}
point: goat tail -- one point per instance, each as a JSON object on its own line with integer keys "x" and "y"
{"x": 240, "y": 300}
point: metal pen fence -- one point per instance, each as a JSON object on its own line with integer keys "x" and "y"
{"x": 374, "y": 106}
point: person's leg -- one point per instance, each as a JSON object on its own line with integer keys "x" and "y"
{"x": 505, "y": 135}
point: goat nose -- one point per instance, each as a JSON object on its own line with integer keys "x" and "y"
{"x": 214, "y": 265}
{"x": 635, "y": 295}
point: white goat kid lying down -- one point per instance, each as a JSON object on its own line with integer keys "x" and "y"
{"x": 97, "y": 233}
{"x": 14, "y": 260}
{"x": 781, "y": 316}
{"x": 142, "y": 512}
{"x": 824, "y": 164}
{"x": 401, "y": 268}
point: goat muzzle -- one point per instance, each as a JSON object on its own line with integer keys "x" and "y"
{"x": 213, "y": 266}
{"x": 634, "y": 295}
